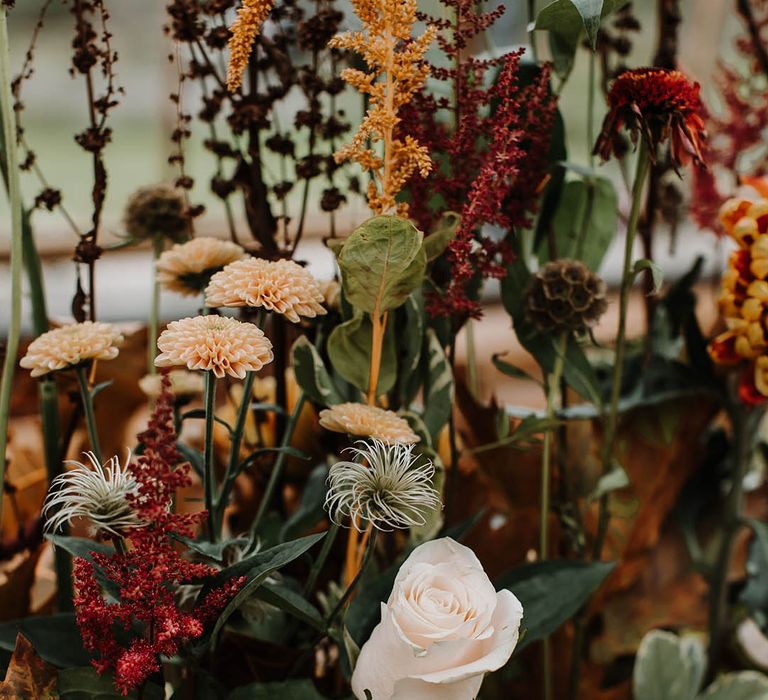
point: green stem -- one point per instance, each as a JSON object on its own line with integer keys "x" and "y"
{"x": 718, "y": 606}
{"x": 353, "y": 584}
{"x": 234, "y": 450}
{"x": 318, "y": 564}
{"x": 553, "y": 388}
{"x": 591, "y": 108}
{"x": 472, "y": 379}
{"x": 277, "y": 470}
{"x": 14, "y": 197}
{"x": 209, "y": 476}
{"x": 627, "y": 278}
{"x": 154, "y": 309}
{"x": 90, "y": 416}
{"x": 532, "y": 33}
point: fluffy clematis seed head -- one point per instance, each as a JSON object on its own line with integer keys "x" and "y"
{"x": 367, "y": 421}
{"x": 187, "y": 268}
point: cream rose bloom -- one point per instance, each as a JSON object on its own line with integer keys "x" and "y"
{"x": 443, "y": 628}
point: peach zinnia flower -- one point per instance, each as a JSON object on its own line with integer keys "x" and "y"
{"x": 655, "y": 104}
{"x": 187, "y": 267}
{"x": 184, "y": 384}
{"x": 215, "y": 343}
{"x": 367, "y": 421}
{"x": 282, "y": 286}
{"x": 71, "y": 345}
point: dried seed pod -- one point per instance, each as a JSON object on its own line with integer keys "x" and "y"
{"x": 157, "y": 210}
{"x": 565, "y": 295}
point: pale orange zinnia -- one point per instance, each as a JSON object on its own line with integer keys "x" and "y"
{"x": 367, "y": 421}
{"x": 187, "y": 267}
{"x": 70, "y": 346}
{"x": 282, "y": 286}
{"x": 214, "y": 343}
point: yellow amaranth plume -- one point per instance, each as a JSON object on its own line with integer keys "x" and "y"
{"x": 245, "y": 29}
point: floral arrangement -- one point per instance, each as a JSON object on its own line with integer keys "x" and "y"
{"x": 309, "y": 493}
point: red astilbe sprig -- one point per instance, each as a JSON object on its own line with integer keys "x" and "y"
{"x": 148, "y": 574}
{"x": 478, "y": 151}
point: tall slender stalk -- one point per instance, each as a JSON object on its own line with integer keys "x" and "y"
{"x": 81, "y": 371}
{"x": 154, "y": 309}
{"x": 209, "y": 474}
{"x": 379, "y": 322}
{"x": 627, "y": 278}
{"x": 277, "y": 470}
{"x": 371, "y": 545}
{"x": 742, "y": 440}
{"x": 318, "y": 564}
{"x": 14, "y": 198}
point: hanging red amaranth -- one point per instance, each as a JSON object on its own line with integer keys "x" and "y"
{"x": 478, "y": 152}
{"x": 149, "y": 573}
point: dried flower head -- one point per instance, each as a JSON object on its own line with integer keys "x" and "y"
{"x": 282, "y": 286}
{"x": 565, "y": 295}
{"x": 70, "y": 346}
{"x": 99, "y": 493}
{"x": 367, "y": 421}
{"x": 157, "y": 210}
{"x": 657, "y": 105}
{"x": 184, "y": 384}
{"x": 390, "y": 53}
{"x": 187, "y": 268}
{"x": 214, "y": 343}
{"x": 385, "y": 485}
{"x": 243, "y": 33}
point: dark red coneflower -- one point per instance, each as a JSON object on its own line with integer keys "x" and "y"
{"x": 657, "y": 105}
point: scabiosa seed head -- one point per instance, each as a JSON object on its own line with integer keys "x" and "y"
{"x": 367, "y": 421}
{"x": 657, "y": 105}
{"x": 282, "y": 286}
{"x": 385, "y": 485}
{"x": 565, "y": 295}
{"x": 99, "y": 493}
{"x": 214, "y": 343}
{"x": 157, "y": 210}
{"x": 71, "y": 345}
{"x": 187, "y": 268}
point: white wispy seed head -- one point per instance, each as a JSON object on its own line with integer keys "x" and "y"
{"x": 384, "y": 485}
{"x": 97, "y": 492}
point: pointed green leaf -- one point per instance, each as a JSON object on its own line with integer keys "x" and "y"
{"x": 312, "y": 375}
{"x": 668, "y": 667}
{"x": 438, "y": 387}
{"x": 441, "y": 236}
{"x": 653, "y": 268}
{"x": 744, "y": 685}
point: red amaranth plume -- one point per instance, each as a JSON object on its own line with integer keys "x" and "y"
{"x": 479, "y": 150}
{"x": 149, "y": 573}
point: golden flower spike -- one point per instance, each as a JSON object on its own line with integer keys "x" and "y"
{"x": 245, "y": 29}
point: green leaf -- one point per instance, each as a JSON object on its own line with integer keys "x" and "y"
{"x": 310, "y": 509}
{"x": 441, "y": 235}
{"x": 257, "y": 568}
{"x": 287, "y": 690}
{"x": 655, "y": 270}
{"x": 349, "y": 349}
{"x": 530, "y": 427}
{"x": 351, "y": 648}
{"x": 85, "y": 684}
{"x": 311, "y": 374}
{"x": 410, "y": 340}
{"x": 438, "y": 387}
{"x": 291, "y": 602}
{"x": 570, "y": 17}
{"x": 56, "y": 638}
{"x": 381, "y": 263}
{"x": 510, "y": 370}
{"x": 193, "y": 456}
{"x": 744, "y": 685}
{"x": 668, "y": 667}
{"x": 552, "y": 592}
{"x": 586, "y": 219}
{"x": 755, "y": 594}
{"x": 615, "y": 479}
{"x": 213, "y": 550}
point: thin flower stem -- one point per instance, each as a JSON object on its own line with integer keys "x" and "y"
{"x": 154, "y": 310}
{"x": 277, "y": 470}
{"x": 209, "y": 475}
{"x": 90, "y": 416}
{"x": 236, "y": 440}
{"x": 318, "y": 564}
{"x": 627, "y": 278}
{"x": 379, "y": 322}
{"x": 353, "y": 584}
{"x": 553, "y": 388}
{"x": 743, "y": 428}
{"x": 591, "y": 108}
{"x": 14, "y": 197}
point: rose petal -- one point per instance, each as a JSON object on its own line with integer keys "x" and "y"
{"x": 415, "y": 689}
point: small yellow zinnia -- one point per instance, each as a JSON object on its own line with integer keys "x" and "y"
{"x": 218, "y": 344}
